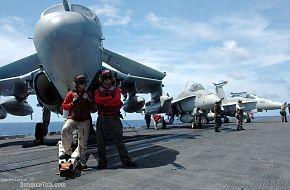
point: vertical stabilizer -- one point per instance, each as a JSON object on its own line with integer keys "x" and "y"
{"x": 219, "y": 89}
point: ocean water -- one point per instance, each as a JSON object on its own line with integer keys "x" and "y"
{"x": 28, "y": 128}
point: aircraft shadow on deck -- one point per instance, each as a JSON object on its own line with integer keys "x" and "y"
{"x": 30, "y": 143}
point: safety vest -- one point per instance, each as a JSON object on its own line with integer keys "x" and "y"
{"x": 156, "y": 117}
{"x": 109, "y": 110}
{"x": 80, "y": 111}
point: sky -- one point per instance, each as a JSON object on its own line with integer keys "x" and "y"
{"x": 244, "y": 42}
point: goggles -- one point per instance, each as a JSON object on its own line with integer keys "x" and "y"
{"x": 107, "y": 77}
{"x": 81, "y": 82}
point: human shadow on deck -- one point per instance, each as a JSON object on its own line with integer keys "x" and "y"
{"x": 154, "y": 156}
{"x": 157, "y": 156}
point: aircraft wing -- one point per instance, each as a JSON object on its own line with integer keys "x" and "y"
{"x": 9, "y": 86}
{"x": 140, "y": 84}
{"x": 184, "y": 104}
{"x": 230, "y": 107}
{"x": 137, "y": 78}
{"x": 14, "y": 76}
{"x": 128, "y": 66}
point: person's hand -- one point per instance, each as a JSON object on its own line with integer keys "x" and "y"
{"x": 75, "y": 100}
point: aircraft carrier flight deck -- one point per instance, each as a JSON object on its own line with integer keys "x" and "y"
{"x": 176, "y": 158}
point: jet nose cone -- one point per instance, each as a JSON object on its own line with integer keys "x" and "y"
{"x": 274, "y": 105}
{"x": 62, "y": 31}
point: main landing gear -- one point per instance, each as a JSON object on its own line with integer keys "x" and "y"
{"x": 41, "y": 128}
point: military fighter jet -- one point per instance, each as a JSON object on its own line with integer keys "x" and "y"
{"x": 68, "y": 40}
{"x": 193, "y": 97}
{"x": 229, "y": 104}
{"x": 262, "y": 103}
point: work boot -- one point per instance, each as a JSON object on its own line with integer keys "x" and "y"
{"x": 130, "y": 164}
{"x": 217, "y": 130}
{"x": 243, "y": 128}
{"x": 64, "y": 156}
{"x": 84, "y": 165}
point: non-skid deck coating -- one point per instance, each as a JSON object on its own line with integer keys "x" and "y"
{"x": 178, "y": 158}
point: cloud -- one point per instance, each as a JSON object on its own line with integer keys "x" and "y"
{"x": 231, "y": 47}
{"x": 181, "y": 27}
{"x": 14, "y": 44}
{"x": 229, "y": 53}
{"x": 8, "y": 24}
{"x": 112, "y": 15}
{"x": 239, "y": 35}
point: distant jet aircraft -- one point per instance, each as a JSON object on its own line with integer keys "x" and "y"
{"x": 262, "y": 103}
{"x": 229, "y": 104}
{"x": 68, "y": 40}
{"x": 193, "y": 97}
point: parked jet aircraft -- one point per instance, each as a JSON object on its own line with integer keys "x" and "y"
{"x": 68, "y": 40}
{"x": 262, "y": 103}
{"x": 229, "y": 104}
{"x": 194, "y": 96}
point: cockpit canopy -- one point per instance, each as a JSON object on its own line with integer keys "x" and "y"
{"x": 193, "y": 87}
{"x": 73, "y": 8}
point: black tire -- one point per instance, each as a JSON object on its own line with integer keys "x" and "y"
{"x": 226, "y": 120}
{"x": 39, "y": 131}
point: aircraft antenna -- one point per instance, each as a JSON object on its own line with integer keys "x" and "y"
{"x": 65, "y": 5}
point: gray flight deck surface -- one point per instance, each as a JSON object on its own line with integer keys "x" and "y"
{"x": 177, "y": 158}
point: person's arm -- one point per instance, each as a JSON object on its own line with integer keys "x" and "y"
{"x": 115, "y": 101}
{"x": 68, "y": 101}
{"x": 101, "y": 100}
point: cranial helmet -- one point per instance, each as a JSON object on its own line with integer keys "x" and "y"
{"x": 80, "y": 79}
{"x": 106, "y": 74}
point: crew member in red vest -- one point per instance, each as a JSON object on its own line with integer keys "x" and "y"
{"x": 78, "y": 104}
{"x": 108, "y": 99}
{"x": 156, "y": 118}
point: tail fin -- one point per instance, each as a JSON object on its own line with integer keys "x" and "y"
{"x": 219, "y": 89}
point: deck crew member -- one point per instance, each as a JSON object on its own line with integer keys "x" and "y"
{"x": 239, "y": 115}
{"x": 217, "y": 115}
{"x": 78, "y": 103}
{"x": 283, "y": 112}
{"x": 108, "y": 99}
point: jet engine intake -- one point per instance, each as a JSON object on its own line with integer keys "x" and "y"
{"x": 46, "y": 92}
{"x": 134, "y": 104}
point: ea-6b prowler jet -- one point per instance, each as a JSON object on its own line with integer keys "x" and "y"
{"x": 68, "y": 40}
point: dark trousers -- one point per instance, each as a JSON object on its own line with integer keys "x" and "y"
{"x": 111, "y": 126}
{"x": 218, "y": 121}
{"x": 148, "y": 123}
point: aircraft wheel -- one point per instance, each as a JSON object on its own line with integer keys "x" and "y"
{"x": 39, "y": 132}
